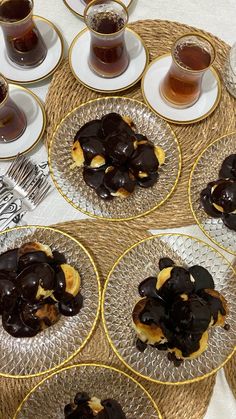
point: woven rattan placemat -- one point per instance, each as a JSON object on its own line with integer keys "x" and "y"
{"x": 65, "y": 93}
{"x": 106, "y": 243}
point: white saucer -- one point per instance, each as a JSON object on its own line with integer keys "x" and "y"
{"x": 78, "y": 6}
{"x": 54, "y": 43}
{"x": 206, "y": 104}
{"x": 78, "y": 58}
{"x": 36, "y": 123}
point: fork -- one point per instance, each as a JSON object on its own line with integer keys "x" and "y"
{"x": 29, "y": 202}
{"x": 21, "y": 190}
{"x": 17, "y": 172}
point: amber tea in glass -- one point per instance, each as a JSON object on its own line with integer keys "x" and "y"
{"x": 24, "y": 43}
{"x": 12, "y": 119}
{"x": 106, "y": 21}
{"x": 192, "y": 55}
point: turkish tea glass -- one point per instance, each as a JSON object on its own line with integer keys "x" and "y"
{"x": 106, "y": 21}
{"x": 12, "y": 119}
{"x": 192, "y": 55}
{"x": 230, "y": 71}
{"x": 24, "y": 43}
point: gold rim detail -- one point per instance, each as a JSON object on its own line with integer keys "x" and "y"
{"x": 173, "y": 121}
{"x": 56, "y": 65}
{"x": 107, "y": 91}
{"x": 81, "y": 15}
{"x": 43, "y": 126}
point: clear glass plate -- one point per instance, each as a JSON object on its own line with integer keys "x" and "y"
{"x": 70, "y": 182}
{"x": 48, "y": 398}
{"x": 60, "y": 342}
{"x": 205, "y": 170}
{"x": 121, "y": 295}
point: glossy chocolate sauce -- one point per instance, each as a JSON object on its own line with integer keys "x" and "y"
{"x": 31, "y": 284}
{"x": 120, "y": 155}
{"x": 182, "y": 309}
{"x": 110, "y": 409}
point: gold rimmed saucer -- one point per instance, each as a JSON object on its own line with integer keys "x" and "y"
{"x": 36, "y": 123}
{"x": 205, "y": 106}
{"x": 206, "y": 169}
{"x": 77, "y": 6}
{"x": 69, "y": 182}
{"x": 78, "y": 60}
{"x": 49, "y": 397}
{"x": 58, "y": 344}
{"x": 121, "y": 294}
{"x": 55, "y": 50}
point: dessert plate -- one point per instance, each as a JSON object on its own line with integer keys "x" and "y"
{"x": 54, "y": 42}
{"x": 121, "y": 294}
{"x": 206, "y": 169}
{"x": 78, "y": 6}
{"x": 59, "y": 343}
{"x": 70, "y": 182}
{"x": 49, "y": 397}
{"x": 36, "y": 123}
{"x": 206, "y": 104}
{"x": 78, "y": 59}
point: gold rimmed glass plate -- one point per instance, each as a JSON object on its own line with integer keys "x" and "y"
{"x": 121, "y": 294}
{"x": 49, "y": 397}
{"x": 70, "y": 182}
{"x": 205, "y": 170}
{"x": 21, "y": 357}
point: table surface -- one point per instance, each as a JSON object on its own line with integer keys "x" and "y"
{"x": 215, "y": 16}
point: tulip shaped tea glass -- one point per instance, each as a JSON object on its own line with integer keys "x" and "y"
{"x": 24, "y": 43}
{"x": 191, "y": 55}
{"x": 106, "y": 21}
{"x": 230, "y": 71}
{"x": 12, "y": 119}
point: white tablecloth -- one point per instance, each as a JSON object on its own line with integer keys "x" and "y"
{"x": 216, "y": 16}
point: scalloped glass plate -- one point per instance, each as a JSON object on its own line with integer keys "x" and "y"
{"x": 121, "y": 294}
{"x": 70, "y": 182}
{"x": 206, "y": 169}
{"x": 48, "y": 398}
{"x": 20, "y": 357}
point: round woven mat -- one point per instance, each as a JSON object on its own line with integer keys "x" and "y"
{"x": 182, "y": 402}
{"x": 65, "y": 93}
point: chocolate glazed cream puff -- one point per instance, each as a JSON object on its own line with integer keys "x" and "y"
{"x": 177, "y": 309}
{"x": 218, "y": 199}
{"x": 114, "y": 157}
{"x": 36, "y": 287}
{"x": 85, "y": 406}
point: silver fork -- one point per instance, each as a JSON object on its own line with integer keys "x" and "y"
{"x": 17, "y": 172}
{"x": 24, "y": 188}
{"x": 35, "y": 195}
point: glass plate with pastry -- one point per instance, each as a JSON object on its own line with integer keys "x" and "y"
{"x": 169, "y": 309}
{"x": 88, "y": 391}
{"x": 212, "y": 192}
{"x": 114, "y": 158}
{"x": 49, "y": 299}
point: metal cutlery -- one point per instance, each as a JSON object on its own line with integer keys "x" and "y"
{"x": 29, "y": 202}
{"x": 22, "y": 188}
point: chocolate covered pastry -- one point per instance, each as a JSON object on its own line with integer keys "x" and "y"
{"x": 218, "y": 199}
{"x": 177, "y": 308}
{"x": 115, "y": 159}
{"x": 36, "y": 287}
{"x": 86, "y": 407}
